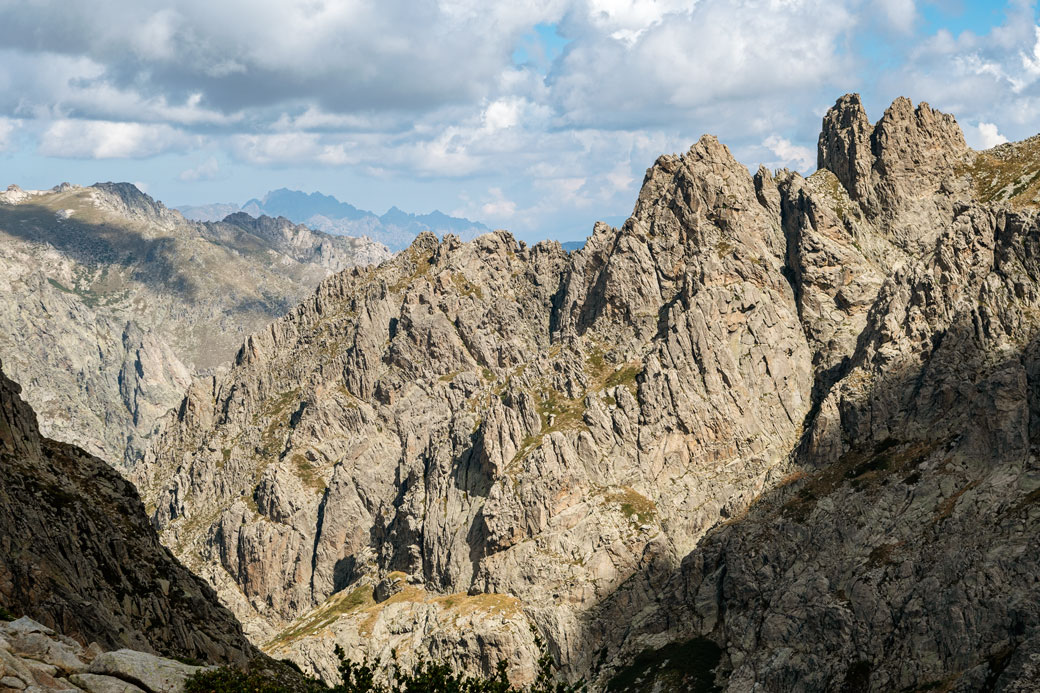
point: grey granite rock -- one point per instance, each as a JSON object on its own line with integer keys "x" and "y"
{"x": 114, "y": 303}
{"x": 780, "y": 429}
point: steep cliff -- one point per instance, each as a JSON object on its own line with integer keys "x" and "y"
{"x": 114, "y": 302}
{"x": 748, "y": 427}
{"x": 78, "y": 553}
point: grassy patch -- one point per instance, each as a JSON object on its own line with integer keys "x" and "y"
{"x": 883, "y": 555}
{"x": 625, "y": 376}
{"x": 448, "y": 377}
{"x": 827, "y": 185}
{"x": 465, "y": 287}
{"x": 420, "y": 268}
{"x": 632, "y": 503}
{"x": 1008, "y": 173}
{"x": 557, "y": 413}
{"x": 276, "y": 412}
{"x": 945, "y": 508}
{"x": 308, "y": 473}
{"x": 325, "y": 615}
{"x": 861, "y": 469}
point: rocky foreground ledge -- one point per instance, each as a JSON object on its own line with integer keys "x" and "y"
{"x": 35, "y": 658}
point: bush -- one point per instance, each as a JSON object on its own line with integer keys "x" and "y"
{"x": 364, "y": 677}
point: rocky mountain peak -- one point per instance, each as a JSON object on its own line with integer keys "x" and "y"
{"x": 433, "y": 455}
{"x": 894, "y": 169}
{"x": 128, "y": 200}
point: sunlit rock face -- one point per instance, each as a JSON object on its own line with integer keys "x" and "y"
{"x": 779, "y": 426}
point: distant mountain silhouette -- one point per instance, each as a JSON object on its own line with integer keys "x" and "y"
{"x": 396, "y": 229}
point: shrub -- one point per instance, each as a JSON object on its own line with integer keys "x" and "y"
{"x": 364, "y": 677}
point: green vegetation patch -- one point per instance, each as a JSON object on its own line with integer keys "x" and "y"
{"x": 625, "y": 376}
{"x": 328, "y": 613}
{"x": 633, "y": 503}
{"x": 1008, "y": 173}
{"x": 826, "y": 184}
{"x": 687, "y": 666}
{"x": 557, "y": 413}
{"x": 465, "y": 286}
{"x": 308, "y": 473}
{"x": 420, "y": 268}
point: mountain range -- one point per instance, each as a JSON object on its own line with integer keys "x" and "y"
{"x": 772, "y": 433}
{"x": 395, "y": 229}
{"x": 114, "y": 303}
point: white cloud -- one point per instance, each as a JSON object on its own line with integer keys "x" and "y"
{"x": 900, "y": 15}
{"x": 7, "y": 128}
{"x": 207, "y": 170}
{"x": 983, "y": 136}
{"x": 978, "y": 77}
{"x": 293, "y": 148}
{"x": 504, "y": 113}
{"x": 99, "y": 139}
{"x": 800, "y": 158}
{"x": 626, "y": 20}
{"x": 498, "y": 207}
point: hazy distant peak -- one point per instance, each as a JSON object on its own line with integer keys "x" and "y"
{"x": 396, "y": 228}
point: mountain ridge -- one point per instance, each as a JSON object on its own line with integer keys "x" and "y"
{"x": 395, "y": 228}
{"x": 478, "y": 437}
{"x": 116, "y": 301}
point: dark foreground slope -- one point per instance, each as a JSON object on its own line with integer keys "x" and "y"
{"x": 77, "y": 553}
{"x": 778, "y": 432}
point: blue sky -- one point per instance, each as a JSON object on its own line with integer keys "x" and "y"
{"x": 539, "y": 116}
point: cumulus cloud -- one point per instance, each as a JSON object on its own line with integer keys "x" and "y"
{"x": 207, "y": 170}
{"x": 983, "y": 136}
{"x": 99, "y": 139}
{"x": 979, "y": 77}
{"x": 794, "y": 156}
{"x": 7, "y": 128}
{"x": 498, "y": 206}
{"x": 900, "y": 15}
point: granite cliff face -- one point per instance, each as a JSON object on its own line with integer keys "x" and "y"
{"x": 78, "y": 554}
{"x": 113, "y": 302}
{"x": 778, "y": 426}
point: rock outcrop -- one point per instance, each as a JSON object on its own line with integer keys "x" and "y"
{"x": 78, "y": 554}
{"x": 772, "y": 432}
{"x": 34, "y": 658}
{"x": 114, "y": 302}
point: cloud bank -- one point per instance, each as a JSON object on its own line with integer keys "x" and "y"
{"x": 412, "y": 92}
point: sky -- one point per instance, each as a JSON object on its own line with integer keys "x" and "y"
{"x": 538, "y": 116}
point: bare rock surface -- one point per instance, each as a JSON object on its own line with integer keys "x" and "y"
{"x": 78, "y": 553}
{"x": 773, "y": 433}
{"x": 113, "y": 302}
{"x": 34, "y": 658}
